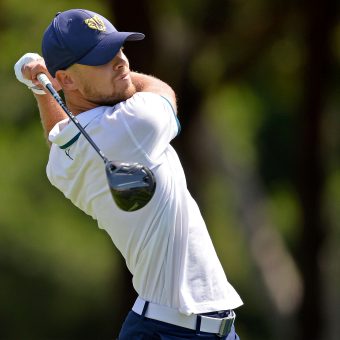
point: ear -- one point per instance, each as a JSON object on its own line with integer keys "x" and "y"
{"x": 66, "y": 80}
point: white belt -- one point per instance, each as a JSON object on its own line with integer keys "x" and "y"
{"x": 166, "y": 314}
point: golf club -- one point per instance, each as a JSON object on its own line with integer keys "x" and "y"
{"x": 132, "y": 185}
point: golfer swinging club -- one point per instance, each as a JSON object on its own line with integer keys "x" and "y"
{"x": 183, "y": 291}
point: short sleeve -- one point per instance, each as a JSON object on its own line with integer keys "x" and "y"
{"x": 150, "y": 121}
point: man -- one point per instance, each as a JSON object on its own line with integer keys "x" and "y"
{"x": 183, "y": 291}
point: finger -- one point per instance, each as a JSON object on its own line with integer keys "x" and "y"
{"x": 36, "y": 69}
{"x": 31, "y": 69}
{"x": 42, "y": 69}
{"x": 26, "y": 72}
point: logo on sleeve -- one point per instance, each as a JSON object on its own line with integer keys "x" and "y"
{"x": 96, "y": 23}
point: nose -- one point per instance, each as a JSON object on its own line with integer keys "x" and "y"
{"x": 119, "y": 61}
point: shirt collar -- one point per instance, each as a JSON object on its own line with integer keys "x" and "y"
{"x": 65, "y": 132}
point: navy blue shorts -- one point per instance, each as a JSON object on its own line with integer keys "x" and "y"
{"x": 137, "y": 327}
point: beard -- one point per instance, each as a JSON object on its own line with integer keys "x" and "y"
{"x": 109, "y": 100}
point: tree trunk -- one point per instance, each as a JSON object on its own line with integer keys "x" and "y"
{"x": 140, "y": 55}
{"x": 320, "y": 18}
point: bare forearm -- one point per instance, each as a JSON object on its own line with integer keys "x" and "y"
{"x": 50, "y": 112}
{"x": 27, "y": 70}
{"x": 146, "y": 83}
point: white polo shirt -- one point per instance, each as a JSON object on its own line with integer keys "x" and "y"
{"x": 166, "y": 244}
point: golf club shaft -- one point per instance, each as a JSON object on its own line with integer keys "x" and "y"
{"x": 48, "y": 85}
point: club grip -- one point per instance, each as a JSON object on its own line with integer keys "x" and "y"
{"x": 43, "y": 79}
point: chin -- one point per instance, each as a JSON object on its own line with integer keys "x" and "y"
{"x": 116, "y": 98}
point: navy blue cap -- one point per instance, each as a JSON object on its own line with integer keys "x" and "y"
{"x": 83, "y": 37}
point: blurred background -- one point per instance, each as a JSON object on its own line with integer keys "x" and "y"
{"x": 258, "y": 93}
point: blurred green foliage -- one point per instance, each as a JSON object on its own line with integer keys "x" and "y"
{"x": 62, "y": 278}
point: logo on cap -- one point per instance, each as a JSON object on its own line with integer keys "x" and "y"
{"x": 96, "y": 23}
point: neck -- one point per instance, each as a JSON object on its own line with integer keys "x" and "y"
{"x": 76, "y": 103}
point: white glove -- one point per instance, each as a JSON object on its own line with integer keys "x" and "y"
{"x": 25, "y": 59}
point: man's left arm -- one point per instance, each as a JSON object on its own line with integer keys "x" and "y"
{"x": 27, "y": 68}
{"x": 146, "y": 83}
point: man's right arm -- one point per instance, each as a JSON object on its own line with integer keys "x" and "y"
{"x": 146, "y": 83}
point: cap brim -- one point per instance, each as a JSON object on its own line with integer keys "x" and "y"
{"x": 108, "y": 47}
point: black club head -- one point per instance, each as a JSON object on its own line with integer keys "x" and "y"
{"x": 132, "y": 185}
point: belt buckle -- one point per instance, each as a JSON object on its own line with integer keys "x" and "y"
{"x": 226, "y": 324}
